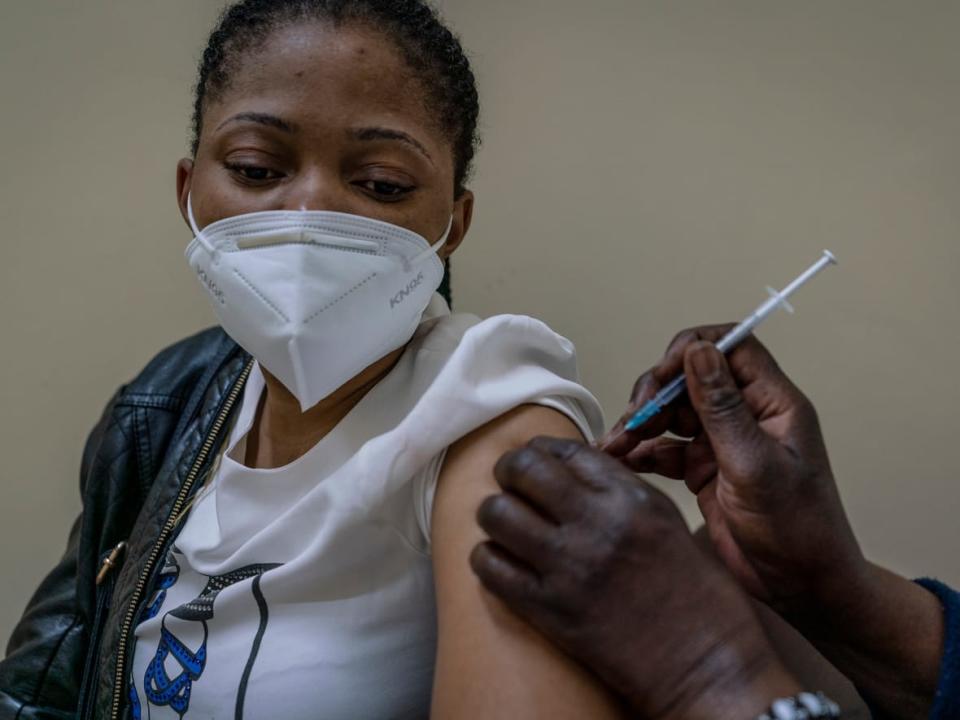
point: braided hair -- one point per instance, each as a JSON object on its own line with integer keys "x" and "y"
{"x": 431, "y": 50}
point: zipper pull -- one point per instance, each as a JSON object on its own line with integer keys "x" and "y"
{"x": 110, "y": 562}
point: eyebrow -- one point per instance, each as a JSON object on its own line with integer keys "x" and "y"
{"x": 382, "y": 133}
{"x": 261, "y": 119}
{"x": 364, "y": 134}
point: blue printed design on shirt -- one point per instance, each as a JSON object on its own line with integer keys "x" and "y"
{"x": 168, "y": 576}
{"x": 134, "y": 703}
{"x": 160, "y": 688}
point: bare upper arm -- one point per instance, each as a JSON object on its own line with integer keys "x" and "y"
{"x": 490, "y": 664}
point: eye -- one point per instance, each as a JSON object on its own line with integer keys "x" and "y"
{"x": 253, "y": 174}
{"x": 384, "y": 190}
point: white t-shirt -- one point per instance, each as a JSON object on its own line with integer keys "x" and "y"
{"x": 306, "y": 591}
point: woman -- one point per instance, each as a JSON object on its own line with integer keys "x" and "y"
{"x": 277, "y": 518}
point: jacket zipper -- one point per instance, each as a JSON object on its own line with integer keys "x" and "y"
{"x": 104, "y": 593}
{"x": 165, "y": 533}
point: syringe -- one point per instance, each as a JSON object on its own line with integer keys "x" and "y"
{"x": 676, "y": 387}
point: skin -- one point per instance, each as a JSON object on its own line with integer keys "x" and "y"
{"x": 603, "y": 564}
{"x": 759, "y": 467}
{"x": 750, "y": 448}
{"x": 293, "y": 131}
{"x": 776, "y": 435}
{"x": 268, "y": 144}
{"x": 524, "y": 675}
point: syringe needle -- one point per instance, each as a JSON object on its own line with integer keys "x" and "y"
{"x": 676, "y": 387}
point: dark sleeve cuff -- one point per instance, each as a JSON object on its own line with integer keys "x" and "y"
{"x": 946, "y": 703}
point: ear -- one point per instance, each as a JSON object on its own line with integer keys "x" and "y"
{"x": 462, "y": 217}
{"x": 184, "y": 181}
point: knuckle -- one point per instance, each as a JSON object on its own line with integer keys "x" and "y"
{"x": 556, "y": 545}
{"x": 564, "y": 449}
{"x": 540, "y": 441}
{"x": 613, "y": 536}
{"x": 521, "y": 460}
{"x": 578, "y": 550}
{"x": 752, "y": 344}
{"x": 684, "y": 338}
{"x": 505, "y": 464}
{"x": 710, "y": 332}
{"x": 653, "y": 511}
{"x": 582, "y": 459}
{"x": 573, "y": 588}
{"x": 562, "y": 597}
{"x": 642, "y": 496}
{"x": 724, "y": 400}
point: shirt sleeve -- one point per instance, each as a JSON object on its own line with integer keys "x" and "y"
{"x": 946, "y": 702}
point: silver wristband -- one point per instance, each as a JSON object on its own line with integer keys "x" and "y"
{"x": 805, "y": 706}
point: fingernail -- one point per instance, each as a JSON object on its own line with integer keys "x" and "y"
{"x": 705, "y": 359}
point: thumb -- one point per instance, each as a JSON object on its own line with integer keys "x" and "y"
{"x": 734, "y": 434}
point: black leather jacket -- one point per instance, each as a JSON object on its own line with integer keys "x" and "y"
{"x": 69, "y": 655}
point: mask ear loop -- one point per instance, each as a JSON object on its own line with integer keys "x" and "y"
{"x": 433, "y": 249}
{"x": 197, "y": 232}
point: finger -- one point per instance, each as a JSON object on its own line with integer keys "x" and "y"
{"x": 678, "y": 418}
{"x": 619, "y": 441}
{"x": 504, "y": 576}
{"x": 673, "y": 359}
{"x": 734, "y": 434}
{"x": 692, "y": 461}
{"x": 671, "y": 364}
{"x": 675, "y": 418}
{"x": 560, "y": 448}
{"x": 701, "y": 464}
{"x": 726, "y": 547}
{"x": 513, "y": 525}
{"x": 766, "y": 388}
{"x": 661, "y": 456}
{"x": 541, "y": 480}
{"x": 592, "y": 468}
{"x": 751, "y": 361}
{"x": 685, "y": 422}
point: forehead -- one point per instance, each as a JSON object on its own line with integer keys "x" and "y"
{"x": 325, "y": 76}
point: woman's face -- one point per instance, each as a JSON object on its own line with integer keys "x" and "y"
{"x": 325, "y": 118}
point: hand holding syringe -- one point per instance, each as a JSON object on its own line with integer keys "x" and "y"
{"x": 678, "y": 385}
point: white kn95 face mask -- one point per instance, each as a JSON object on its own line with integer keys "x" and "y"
{"x": 315, "y": 297}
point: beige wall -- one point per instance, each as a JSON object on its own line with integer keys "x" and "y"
{"x": 647, "y": 166}
{"x": 95, "y": 99}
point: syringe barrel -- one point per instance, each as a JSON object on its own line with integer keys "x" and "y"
{"x": 672, "y": 390}
{"x": 667, "y": 394}
{"x": 729, "y": 341}
{"x": 736, "y": 336}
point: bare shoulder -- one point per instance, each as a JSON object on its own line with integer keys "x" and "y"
{"x": 466, "y": 477}
{"x": 490, "y": 664}
{"x": 513, "y": 430}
